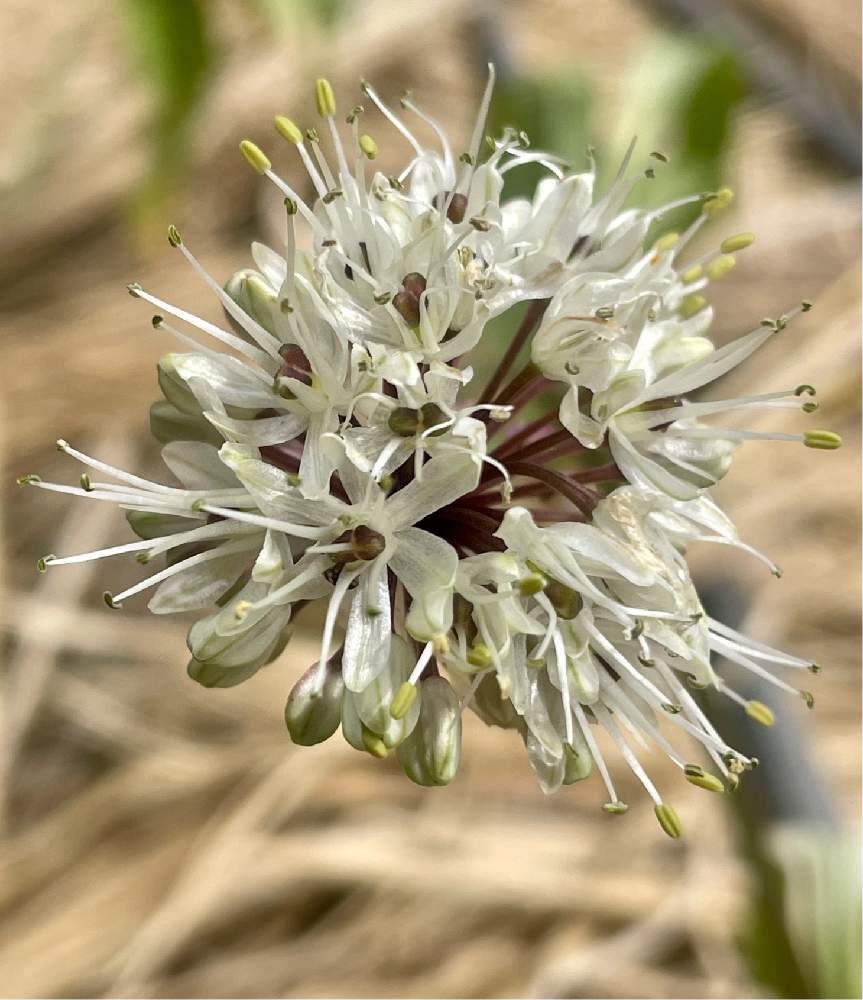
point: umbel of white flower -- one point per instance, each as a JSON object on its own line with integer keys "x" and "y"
{"x": 331, "y": 443}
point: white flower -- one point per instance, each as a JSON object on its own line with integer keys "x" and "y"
{"x": 333, "y": 444}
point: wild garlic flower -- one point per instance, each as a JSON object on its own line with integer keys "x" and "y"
{"x": 332, "y": 443}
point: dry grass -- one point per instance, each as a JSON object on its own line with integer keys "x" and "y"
{"x": 164, "y": 840}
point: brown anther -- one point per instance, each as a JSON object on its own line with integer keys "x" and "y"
{"x": 408, "y": 307}
{"x": 366, "y": 543}
{"x": 457, "y": 207}
{"x": 414, "y": 283}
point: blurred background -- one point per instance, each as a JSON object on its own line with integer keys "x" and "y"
{"x": 159, "y": 839}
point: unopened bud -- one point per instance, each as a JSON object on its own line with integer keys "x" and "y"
{"x": 431, "y": 753}
{"x": 312, "y": 714}
{"x": 578, "y": 764}
{"x": 404, "y": 421}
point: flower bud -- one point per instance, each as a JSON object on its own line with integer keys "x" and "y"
{"x": 404, "y": 421}
{"x": 313, "y": 714}
{"x": 578, "y": 764}
{"x": 253, "y": 294}
{"x": 174, "y": 389}
{"x": 431, "y": 754}
{"x": 379, "y": 705}
{"x": 167, "y": 424}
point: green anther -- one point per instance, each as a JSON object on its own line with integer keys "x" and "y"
{"x": 650, "y": 173}
{"x": 617, "y": 808}
{"x": 659, "y": 155}
{"x": 157, "y": 321}
{"x": 535, "y": 663}
{"x": 814, "y": 668}
{"x": 718, "y": 201}
{"x": 566, "y": 602}
{"x": 330, "y": 197}
{"x": 692, "y": 274}
{"x": 740, "y": 241}
{"x": 805, "y": 305}
{"x": 466, "y": 158}
{"x": 174, "y": 237}
{"x": 732, "y": 781}
{"x": 108, "y": 598}
{"x": 42, "y": 564}
{"x": 479, "y": 655}
{"x": 404, "y": 698}
{"x": 86, "y": 483}
{"x": 254, "y": 156}
{"x": 805, "y": 390}
{"x": 672, "y": 708}
{"x": 604, "y": 312}
{"x": 325, "y": 98}
{"x": 809, "y": 698}
{"x": 374, "y": 744}
{"x": 720, "y": 266}
{"x": 431, "y": 415}
{"x": 825, "y": 440}
{"x": 368, "y": 146}
{"x": 669, "y": 820}
{"x": 134, "y": 288}
{"x": 696, "y": 775}
{"x": 404, "y": 421}
{"x": 29, "y": 479}
{"x": 758, "y": 711}
{"x": 291, "y": 207}
{"x": 288, "y": 130}
{"x": 691, "y": 305}
{"x": 809, "y": 407}
{"x": 666, "y": 242}
{"x": 531, "y": 584}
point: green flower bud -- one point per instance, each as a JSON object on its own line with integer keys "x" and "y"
{"x": 253, "y": 294}
{"x": 167, "y": 424}
{"x": 578, "y": 764}
{"x": 312, "y": 715}
{"x": 431, "y": 754}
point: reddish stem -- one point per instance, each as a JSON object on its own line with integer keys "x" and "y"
{"x": 526, "y": 327}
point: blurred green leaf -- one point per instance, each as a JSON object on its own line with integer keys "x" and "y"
{"x": 170, "y": 40}
{"x": 680, "y": 98}
{"x": 554, "y": 110}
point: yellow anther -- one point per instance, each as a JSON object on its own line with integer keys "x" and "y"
{"x": 666, "y": 242}
{"x": 325, "y": 97}
{"x": 691, "y": 305}
{"x": 404, "y": 698}
{"x": 368, "y": 146}
{"x": 720, "y": 266}
{"x": 825, "y": 440}
{"x": 669, "y": 820}
{"x": 256, "y": 158}
{"x": 758, "y": 711}
{"x": 696, "y": 775}
{"x": 740, "y": 241}
{"x": 479, "y": 655}
{"x": 288, "y": 130}
{"x": 692, "y": 274}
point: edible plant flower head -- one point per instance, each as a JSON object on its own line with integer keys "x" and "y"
{"x": 331, "y": 442}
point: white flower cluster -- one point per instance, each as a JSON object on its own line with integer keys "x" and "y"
{"x": 333, "y": 444}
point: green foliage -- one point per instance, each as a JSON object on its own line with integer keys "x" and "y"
{"x": 169, "y": 38}
{"x": 680, "y": 98}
